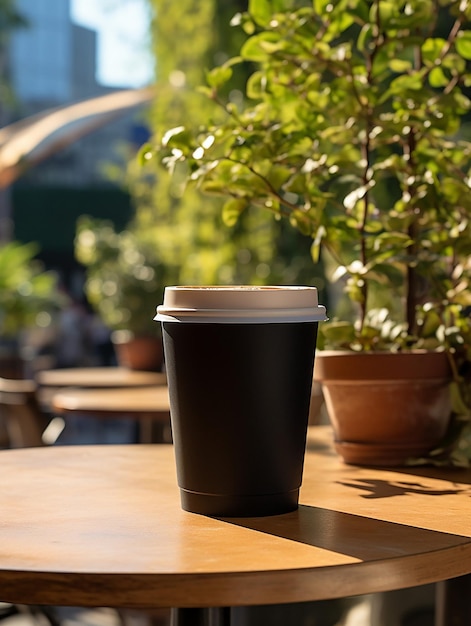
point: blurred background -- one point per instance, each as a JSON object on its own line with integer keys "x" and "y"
{"x": 89, "y": 237}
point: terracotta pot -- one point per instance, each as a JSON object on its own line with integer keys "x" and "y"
{"x": 385, "y": 407}
{"x": 11, "y": 363}
{"x": 138, "y": 352}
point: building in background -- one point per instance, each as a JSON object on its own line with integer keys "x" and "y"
{"x": 50, "y": 63}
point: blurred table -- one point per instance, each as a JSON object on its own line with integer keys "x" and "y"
{"x": 52, "y": 381}
{"x": 102, "y": 526}
{"x": 99, "y": 377}
{"x": 149, "y": 405}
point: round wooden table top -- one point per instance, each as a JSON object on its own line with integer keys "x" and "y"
{"x": 99, "y": 377}
{"x": 102, "y": 526}
{"x": 136, "y": 401}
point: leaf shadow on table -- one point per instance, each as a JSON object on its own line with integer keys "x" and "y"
{"x": 450, "y": 475}
{"x": 374, "y": 488}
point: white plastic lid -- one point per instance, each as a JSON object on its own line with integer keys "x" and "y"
{"x": 240, "y": 304}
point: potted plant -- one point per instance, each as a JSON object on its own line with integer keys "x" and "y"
{"x": 29, "y": 297}
{"x": 124, "y": 283}
{"x": 353, "y": 127}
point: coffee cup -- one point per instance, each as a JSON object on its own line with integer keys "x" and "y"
{"x": 239, "y": 363}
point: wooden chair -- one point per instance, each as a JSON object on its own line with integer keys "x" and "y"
{"x": 26, "y": 425}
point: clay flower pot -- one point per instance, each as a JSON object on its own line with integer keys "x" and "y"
{"x": 138, "y": 352}
{"x": 385, "y": 407}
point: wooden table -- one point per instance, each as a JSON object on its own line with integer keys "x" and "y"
{"x": 102, "y": 526}
{"x": 99, "y": 377}
{"x": 149, "y": 405}
{"x": 50, "y": 382}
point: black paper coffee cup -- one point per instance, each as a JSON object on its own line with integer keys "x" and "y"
{"x": 239, "y": 364}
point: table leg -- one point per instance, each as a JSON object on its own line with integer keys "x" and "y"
{"x": 453, "y": 602}
{"x": 145, "y": 429}
{"x": 201, "y": 617}
{"x": 152, "y": 430}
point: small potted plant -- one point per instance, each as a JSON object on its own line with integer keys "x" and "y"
{"x": 353, "y": 127}
{"x": 125, "y": 280}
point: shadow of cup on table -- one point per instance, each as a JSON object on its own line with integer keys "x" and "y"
{"x": 239, "y": 362}
{"x": 350, "y": 535}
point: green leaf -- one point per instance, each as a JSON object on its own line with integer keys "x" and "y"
{"x": 387, "y": 10}
{"x": 455, "y": 63}
{"x": 256, "y": 85}
{"x": 458, "y": 404}
{"x": 232, "y": 210}
{"x": 386, "y": 274}
{"x": 430, "y": 324}
{"x": 365, "y": 37}
{"x": 278, "y": 175}
{"x": 390, "y": 238}
{"x": 402, "y": 83}
{"x": 302, "y": 222}
{"x": 219, "y": 76}
{"x": 320, "y": 6}
{"x": 437, "y": 78}
{"x": 463, "y": 44}
{"x": 262, "y": 10}
{"x": 431, "y": 49}
{"x": 336, "y": 334}
{"x": 400, "y": 65}
{"x": 215, "y": 187}
{"x": 254, "y": 50}
{"x": 145, "y": 154}
{"x": 178, "y": 136}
